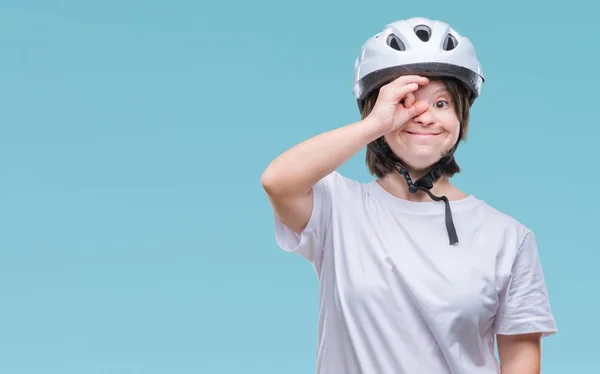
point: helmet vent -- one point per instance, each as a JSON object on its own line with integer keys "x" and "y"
{"x": 395, "y": 42}
{"x": 450, "y": 42}
{"x": 423, "y": 32}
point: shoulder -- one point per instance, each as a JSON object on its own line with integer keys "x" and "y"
{"x": 500, "y": 218}
{"x": 512, "y": 233}
{"x": 338, "y": 183}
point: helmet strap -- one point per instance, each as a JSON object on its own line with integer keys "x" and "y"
{"x": 425, "y": 183}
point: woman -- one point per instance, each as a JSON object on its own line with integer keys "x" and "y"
{"x": 415, "y": 275}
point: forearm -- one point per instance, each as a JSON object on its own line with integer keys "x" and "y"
{"x": 298, "y": 169}
{"x": 524, "y": 366}
{"x": 520, "y": 354}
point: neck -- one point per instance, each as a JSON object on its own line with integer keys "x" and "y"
{"x": 395, "y": 184}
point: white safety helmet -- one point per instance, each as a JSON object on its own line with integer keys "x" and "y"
{"x": 416, "y": 46}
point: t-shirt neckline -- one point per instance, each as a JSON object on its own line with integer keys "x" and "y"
{"x": 421, "y": 207}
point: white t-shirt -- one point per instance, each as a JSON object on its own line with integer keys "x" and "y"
{"x": 395, "y": 297}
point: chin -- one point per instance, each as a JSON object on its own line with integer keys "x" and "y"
{"x": 421, "y": 161}
{"x": 418, "y": 157}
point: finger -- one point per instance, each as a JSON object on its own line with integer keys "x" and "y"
{"x": 418, "y": 108}
{"x": 403, "y": 116}
{"x": 406, "y": 79}
{"x": 395, "y": 94}
{"x": 409, "y": 101}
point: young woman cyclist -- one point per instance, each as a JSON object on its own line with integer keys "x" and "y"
{"x": 415, "y": 275}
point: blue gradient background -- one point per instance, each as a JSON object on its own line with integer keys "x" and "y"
{"x": 134, "y": 233}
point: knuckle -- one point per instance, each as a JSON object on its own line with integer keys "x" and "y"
{"x": 385, "y": 91}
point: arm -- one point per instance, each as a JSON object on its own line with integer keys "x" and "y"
{"x": 520, "y": 354}
{"x": 289, "y": 179}
{"x": 524, "y": 315}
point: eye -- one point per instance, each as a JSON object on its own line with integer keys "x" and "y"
{"x": 441, "y": 104}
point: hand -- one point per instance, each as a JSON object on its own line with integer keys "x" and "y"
{"x": 396, "y": 105}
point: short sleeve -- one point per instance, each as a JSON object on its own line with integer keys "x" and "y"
{"x": 311, "y": 242}
{"x": 524, "y": 302}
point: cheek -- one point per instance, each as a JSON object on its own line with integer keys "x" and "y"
{"x": 396, "y": 143}
{"x": 454, "y": 132}
{"x": 395, "y": 140}
{"x": 392, "y": 138}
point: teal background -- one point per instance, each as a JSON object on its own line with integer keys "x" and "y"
{"x": 134, "y": 233}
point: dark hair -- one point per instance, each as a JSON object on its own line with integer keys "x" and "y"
{"x": 379, "y": 164}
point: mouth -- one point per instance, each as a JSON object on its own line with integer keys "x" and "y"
{"x": 428, "y": 134}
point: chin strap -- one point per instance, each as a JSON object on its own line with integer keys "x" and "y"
{"x": 425, "y": 184}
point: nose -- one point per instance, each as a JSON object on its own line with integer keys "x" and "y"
{"x": 426, "y": 118}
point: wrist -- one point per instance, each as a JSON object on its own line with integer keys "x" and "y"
{"x": 373, "y": 128}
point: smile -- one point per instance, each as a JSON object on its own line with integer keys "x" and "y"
{"x": 422, "y": 133}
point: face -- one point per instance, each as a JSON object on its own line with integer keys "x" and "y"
{"x": 429, "y": 136}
